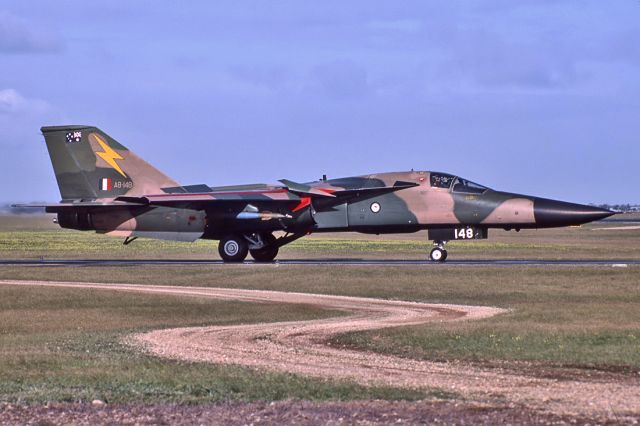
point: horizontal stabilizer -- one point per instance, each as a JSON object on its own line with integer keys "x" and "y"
{"x": 59, "y": 207}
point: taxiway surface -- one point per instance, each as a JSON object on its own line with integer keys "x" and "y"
{"x": 346, "y": 262}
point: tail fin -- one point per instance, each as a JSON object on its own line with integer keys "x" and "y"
{"x": 89, "y": 164}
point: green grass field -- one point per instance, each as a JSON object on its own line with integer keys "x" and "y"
{"x": 33, "y": 237}
{"x": 64, "y": 344}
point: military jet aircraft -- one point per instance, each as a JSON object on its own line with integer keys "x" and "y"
{"x": 109, "y": 189}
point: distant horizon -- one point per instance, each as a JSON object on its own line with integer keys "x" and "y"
{"x": 538, "y": 98}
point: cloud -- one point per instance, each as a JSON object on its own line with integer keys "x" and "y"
{"x": 538, "y": 45}
{"x": 19, "y": 36}
{"x": 488, "y": 59}
{"x": 12, "y": 102}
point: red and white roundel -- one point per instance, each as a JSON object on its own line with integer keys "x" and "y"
{"x": 375, "y": 207}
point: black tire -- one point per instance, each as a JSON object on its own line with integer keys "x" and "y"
{"x": 233, "y": 248}
{"x": 265, "y": 254}
{"x": 438, "y": 254}
{"x": 268, "y": 252}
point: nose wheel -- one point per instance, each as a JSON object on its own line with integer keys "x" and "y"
{"x": 438, "y": 253}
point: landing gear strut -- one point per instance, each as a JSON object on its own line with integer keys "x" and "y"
{"x": 438, "y": 253}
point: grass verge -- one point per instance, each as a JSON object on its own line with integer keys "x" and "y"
{"x": 65, "y": 345}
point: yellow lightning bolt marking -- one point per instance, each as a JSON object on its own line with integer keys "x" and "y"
{"x": 109, "y": 155}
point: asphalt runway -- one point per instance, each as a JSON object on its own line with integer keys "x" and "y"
{"x": 345, "y": 262}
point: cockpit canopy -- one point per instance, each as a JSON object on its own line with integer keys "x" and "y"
{"x": 444, "y": 180}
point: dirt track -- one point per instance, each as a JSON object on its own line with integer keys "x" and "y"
{"x": 300, "y": 347}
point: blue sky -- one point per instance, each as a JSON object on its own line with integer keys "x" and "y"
{"x": 537, "y": 97}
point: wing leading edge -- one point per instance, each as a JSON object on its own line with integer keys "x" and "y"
{"x": 290, "y": 193}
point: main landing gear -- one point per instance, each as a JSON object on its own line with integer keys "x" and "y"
{"x": 233, "y": 248}
{"x": 262, "y": 247}
{"x": 268, "y": 251}
{"x": 438, "y": 253}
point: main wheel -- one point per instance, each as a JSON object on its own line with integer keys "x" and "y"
{"x": 265, "y": 254}
{"x": 438, "y": 254}
{"x": 233, "y": 248}
{"x": 268, "y": 252}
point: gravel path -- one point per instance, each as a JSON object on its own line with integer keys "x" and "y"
{"x": 300, "y": 347}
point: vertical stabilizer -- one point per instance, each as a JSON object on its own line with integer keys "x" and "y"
{"x": 89, "y": 164}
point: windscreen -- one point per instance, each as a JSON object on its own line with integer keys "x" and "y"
{"x": 463, "y": 185}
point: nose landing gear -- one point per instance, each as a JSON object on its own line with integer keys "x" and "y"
{"x": 438, "y": 253}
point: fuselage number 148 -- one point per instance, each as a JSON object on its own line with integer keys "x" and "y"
{"x": 467, "y": 233}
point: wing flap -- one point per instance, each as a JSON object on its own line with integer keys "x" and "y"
{"x": 212, "y": 198}
{"x": 305, "y": 190}
{"x": 398, "y": 186}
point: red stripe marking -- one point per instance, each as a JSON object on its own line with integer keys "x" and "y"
{"x": 304, "y": 202}
{"x": 182, "y": 194}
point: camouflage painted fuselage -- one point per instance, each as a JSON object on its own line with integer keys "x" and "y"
{"x": 426, "y": 206}
{"x": 411, "y": 209}
{"x": 107, "y": 188}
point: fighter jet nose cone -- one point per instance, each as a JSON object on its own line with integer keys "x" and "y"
{"x": 550, "y": 213}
